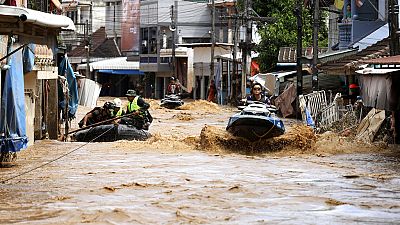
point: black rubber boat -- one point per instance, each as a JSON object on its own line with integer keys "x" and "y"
{"x": 255, "y": 122}
{"x": 171, "y": 101}
{"x": 113, "y": 133}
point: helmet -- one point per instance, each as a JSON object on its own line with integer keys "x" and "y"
{"x": 172, "y": 78}
{"x": 353, "y": 86}
{"x": 131, "y": 92}
{"x": 109, "y": 105}
{"x": 117, "y": 102}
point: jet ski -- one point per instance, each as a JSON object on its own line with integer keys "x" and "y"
{"x": 256, "y": 121}
{"x": 171, "y": 101}
{"x": 111, "y": 132}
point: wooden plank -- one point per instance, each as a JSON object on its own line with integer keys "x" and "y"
{"x": 52, "y": 125}
{"x": 38, "y": 110}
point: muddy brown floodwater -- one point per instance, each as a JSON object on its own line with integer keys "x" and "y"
{"x": 192, "y": 172}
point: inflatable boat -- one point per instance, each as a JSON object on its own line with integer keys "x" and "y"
{"x": 111, "y": 132}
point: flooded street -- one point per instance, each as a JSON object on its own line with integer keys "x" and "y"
{"x": 186, "y": 174}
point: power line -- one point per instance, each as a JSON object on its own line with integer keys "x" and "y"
{"x": 53, "y": 160}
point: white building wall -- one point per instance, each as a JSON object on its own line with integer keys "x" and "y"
{"x": 99, "y": 17}
{"x": 164, "y": 8}
{"x": 29, "y": 88}
{"x": 190, "y": 70}
{"x": 113, "y": 23}
{"x": 203, "y": 54}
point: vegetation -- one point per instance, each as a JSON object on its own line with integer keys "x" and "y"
{"x": 283, "y": 32}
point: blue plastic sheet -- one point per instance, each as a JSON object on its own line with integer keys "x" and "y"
{"x": 309, "y": 119}
{"x": 29, "y": 57}
{"x": 65, "y": 69}
{"x": 13, "y": 116}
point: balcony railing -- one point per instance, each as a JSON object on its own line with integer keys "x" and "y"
{"x": 345, "y": 37}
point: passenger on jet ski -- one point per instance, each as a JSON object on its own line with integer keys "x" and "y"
{"x": 256, "y": 95}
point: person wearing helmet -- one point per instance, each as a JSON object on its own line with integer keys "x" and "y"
{"x": 173, "y": 87}
{"x": 97, "y": 114}
{"x": 137, "y": 106}
{"x": 118, "y": 110}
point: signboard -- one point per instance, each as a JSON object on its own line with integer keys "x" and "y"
{"x": 130, "y": 26}
{"x": 3, "y": 47}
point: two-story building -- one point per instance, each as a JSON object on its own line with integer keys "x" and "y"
{"x": 28, "y": 90}
{"x": 176, "y": 41}
{"x": 356, "y": 33}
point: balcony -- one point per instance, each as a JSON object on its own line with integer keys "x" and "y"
{"x": 353, "y": 31}
{"x": 345, "y": 36}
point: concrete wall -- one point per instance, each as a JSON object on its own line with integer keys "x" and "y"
{"x": 113, "y": 21}
{"x": 30, "y": 86}
{"x": 203, "y": 54}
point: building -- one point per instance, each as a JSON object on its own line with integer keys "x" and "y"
{"x": 29, "y": 74}
{"x": 176, "y": 41}
{"x": 88, "y": 16}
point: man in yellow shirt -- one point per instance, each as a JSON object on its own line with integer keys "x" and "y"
{"x": 136, "y": 105}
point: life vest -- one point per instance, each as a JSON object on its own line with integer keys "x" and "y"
{"x": 119, "y": 113}
{"x": 133, "y": 106}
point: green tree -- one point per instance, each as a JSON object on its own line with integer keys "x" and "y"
{"x": 283, "y": 32}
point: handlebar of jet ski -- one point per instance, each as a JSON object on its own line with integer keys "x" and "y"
{"x": 248, "y": 102}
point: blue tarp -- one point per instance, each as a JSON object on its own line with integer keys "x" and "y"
{"x": 29, "y": 57}
{"x": 123, "y": 72}
{"x": 13, "y": 116}
{"x": 65, "y": 69}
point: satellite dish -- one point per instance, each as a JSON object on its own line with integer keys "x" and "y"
{"x": 172, "y": 28}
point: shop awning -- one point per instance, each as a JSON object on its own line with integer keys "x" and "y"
{"x": 36, "y": 17}
{"x": 119, "y": 63}
{"x": 122, "y": 72}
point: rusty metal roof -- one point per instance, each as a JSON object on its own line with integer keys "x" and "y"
{"x": 347, "y": 65}
{"x": 288, "y": 54}
{"x": 392, "y": 60}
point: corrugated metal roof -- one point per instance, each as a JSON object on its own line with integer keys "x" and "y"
{"x": 119, "y": 63}
{"x": 393, "y": 60}
{"x": 369, "y": 70}
{"x": 373, "y": 38}
{"x": 289, "y": 54}
{"x": 348, "y": 65}
{"x": 101, "y": 46}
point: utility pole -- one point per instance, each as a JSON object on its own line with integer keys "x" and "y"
{"x": 212, "y": 41}
{"x": 87, "y": 47}
{"x": 173, "y": 29}
{"x": 299, "y": 12}
{"x": 247, "y": 44}
{"x": 234, "y": 69}
{"x": 315, "y": 46}
{"x": 245, "y": 49}
{"x": 393, "y": 27}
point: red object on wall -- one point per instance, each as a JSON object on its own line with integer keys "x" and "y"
{"x": 255, "y": 68}
{"x": 353, "y": 86}
{"x": 10, "y": 2}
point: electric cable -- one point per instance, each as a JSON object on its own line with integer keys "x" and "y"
{"x": 53, "y": 160}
